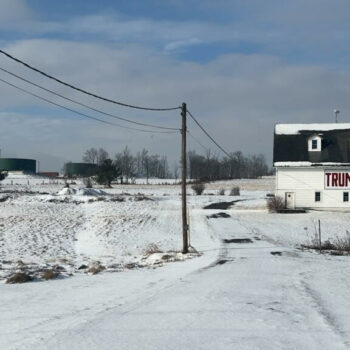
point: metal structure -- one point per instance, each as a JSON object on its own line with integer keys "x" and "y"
{"x": 18, "y": 164}
{"x": 336, "y": 112}
{"x": 80, "y": 169}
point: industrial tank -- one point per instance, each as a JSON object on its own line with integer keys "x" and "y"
{"x": 18, "y": 164}
{"x": 80, "y": 169}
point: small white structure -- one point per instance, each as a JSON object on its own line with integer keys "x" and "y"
{"x": 312, "y": 164}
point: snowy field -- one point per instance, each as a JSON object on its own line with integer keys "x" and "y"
{"x": 264, "y": 293}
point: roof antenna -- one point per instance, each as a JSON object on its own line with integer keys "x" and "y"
{"x": 336, "y": 112}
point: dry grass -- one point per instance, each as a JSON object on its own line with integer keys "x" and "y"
{"x": 340, "y": 246}
{"x": 343, "y": 243}
{"x": 94, "y": 270}
{"x": 152, "y": 248}
{"x": 19, "y": 277}
{"x": 49, "y": 275}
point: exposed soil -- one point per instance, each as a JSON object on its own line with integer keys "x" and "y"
{"x": 237, "y": 240}
{"x": 222, "y": 205}
{"x": 219, "y": 215}
{"x": 276, "y": 253}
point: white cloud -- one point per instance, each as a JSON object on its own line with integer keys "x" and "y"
{"x": 180, "y": 44}
{"x": 13, "y": 10}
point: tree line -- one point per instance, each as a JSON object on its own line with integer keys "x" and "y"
{"x": 142, "y": 164}
{"x": 208, "y": 167}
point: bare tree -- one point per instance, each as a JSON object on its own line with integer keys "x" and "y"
{"x": 176, "y": 169}
{"x": 90, "y": 156}
{"x": 126, "y": 163}
{"x": 102, "y": 155}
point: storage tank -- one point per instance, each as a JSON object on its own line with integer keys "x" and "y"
{"x": 80, "y": 169}
{"x": 18, "y": 164}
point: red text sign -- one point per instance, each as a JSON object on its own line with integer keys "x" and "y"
{"x": 337, "y": 180}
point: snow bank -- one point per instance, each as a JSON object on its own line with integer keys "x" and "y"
{"x": 81, "y": 192}
{"x": 294, "y": 129}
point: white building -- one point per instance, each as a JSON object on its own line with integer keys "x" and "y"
{"x": 312, "y": 164}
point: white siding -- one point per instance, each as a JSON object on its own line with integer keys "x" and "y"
{"x": 304, "y": 182}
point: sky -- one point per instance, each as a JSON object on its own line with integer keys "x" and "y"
{"x": 241, "y": 66}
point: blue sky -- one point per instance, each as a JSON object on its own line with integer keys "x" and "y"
{"x": 240, "y": 65}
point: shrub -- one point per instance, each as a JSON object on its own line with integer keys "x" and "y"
{"x": 107, "y": 172}
{"x": 19, "y": 277}
{"x": 221, "y": 192}
{"x": 49, "y": 275}
{"x": 198, "y": 188}
{"x": 275, "y": 203}
{"x": 87, "y": 182}
{"x": 96, "y": 269}
{"x": 66, "y": 184}
{"x": 235, "y": 191}
{"x": 2, "y": 176}
{"x": 152, "y": 248}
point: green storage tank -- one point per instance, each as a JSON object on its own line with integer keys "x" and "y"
{"x": 18, "y": 164}
{"x": 80, "y": 169}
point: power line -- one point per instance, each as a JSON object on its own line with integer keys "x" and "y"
{"x": 196, "y": 140}
{"x": 82, "y": 114}
{"x": 84, "y": 105}
{"x": 84, "y": 91}
{"x": 197, "y": 122}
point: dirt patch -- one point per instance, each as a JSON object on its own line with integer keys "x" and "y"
{"x": 4, "y": 198}
{"x": 83, "y": 267}
{"x": 221, "y": 205}
{"x": 219, "y": 215}
{"x": 291, "y": 211}
{"x": 237, "y": 240}
{"x": 276, "y": 253}
{"x": 117, "y": 199}
{"x": 221, "y": 262}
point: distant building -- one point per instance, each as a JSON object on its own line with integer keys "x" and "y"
{"x": 312, "y": 164}
{"x": 80, "y": 169}
{"x": 48, "y": 173}
{"x": 26, "y": 166}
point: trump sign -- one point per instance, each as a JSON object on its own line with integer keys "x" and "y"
{"x": 336, "y": 180}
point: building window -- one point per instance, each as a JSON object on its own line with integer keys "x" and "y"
{"x": 315, "y": 143}
{"x": 317, "y": 196}
{"x": 345, "y": 196}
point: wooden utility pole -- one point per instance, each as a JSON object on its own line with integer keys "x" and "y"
{"x": 183, "y": 180}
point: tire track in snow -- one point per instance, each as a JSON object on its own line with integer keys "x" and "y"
{"x": 319, "y": 306}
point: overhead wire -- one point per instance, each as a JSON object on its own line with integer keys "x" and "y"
{"x": 83, "y": 114}
{"x": 196, "y": 140}
{"x": 82, "y": 90}
{"x": 206, "y": 133}
{"x": 83, "y": 104}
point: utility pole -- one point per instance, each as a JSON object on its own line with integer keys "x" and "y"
{"x": 336, "y": 112}
{"x": 183, "y": 181}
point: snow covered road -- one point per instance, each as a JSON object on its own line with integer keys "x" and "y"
{"x": 236, "y": 296}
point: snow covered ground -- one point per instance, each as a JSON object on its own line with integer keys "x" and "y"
{"x": 264, "y": 293}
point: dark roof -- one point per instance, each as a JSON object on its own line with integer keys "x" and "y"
{"x": 294, "y": 147}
